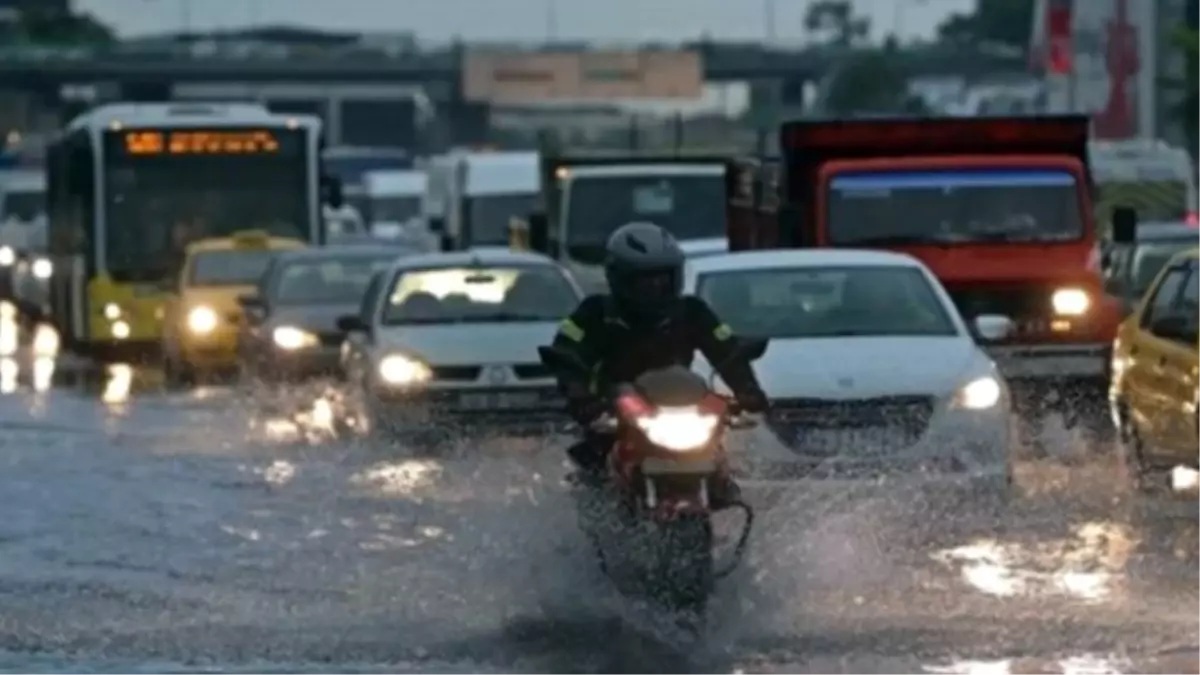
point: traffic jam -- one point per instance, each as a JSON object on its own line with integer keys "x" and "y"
{"x": 937, "y": 372}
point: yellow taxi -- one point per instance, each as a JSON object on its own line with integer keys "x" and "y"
{"x": 202, "y": 317}
{"x": 1154, "y": 391}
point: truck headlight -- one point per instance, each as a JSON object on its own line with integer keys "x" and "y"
{"x": 42, "y": 268}
{"x": 979, "y": 394}
{"x": 401, "y": 370}
{"x": 202, "y": 320}
{"x": 291, "y": 338}
{"x": 679, "y": 429}
{"x": 1070, "y": 301}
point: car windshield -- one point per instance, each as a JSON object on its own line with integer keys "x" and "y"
{"x": 814, "y": 302}
{"x": 490, "y": 215}
{"x": 229, "y": 267}
{"x": 936, "y": 206}
{"x": 24, "y": 206}
{"x": 332, "y": 280}
{"x": 1149, "y": 259}
{"x": 479, "y": 294}
{"x": 691, "y": 207}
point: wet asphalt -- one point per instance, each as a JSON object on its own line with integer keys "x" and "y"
{"x": 233, "y": 530}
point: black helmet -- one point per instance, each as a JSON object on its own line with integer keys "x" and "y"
{"x": 644, "y": 269}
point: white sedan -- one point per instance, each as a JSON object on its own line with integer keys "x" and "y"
{"x": 447, "y": 340}
{"x": 870, "y": 367}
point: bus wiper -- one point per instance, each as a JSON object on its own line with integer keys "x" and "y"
{"x": 502, "y": 317}
{"x": 898, "y": 240}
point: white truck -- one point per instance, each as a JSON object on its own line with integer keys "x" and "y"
{"x": 471, "y": 198}
{"x": 1149, "y": 175}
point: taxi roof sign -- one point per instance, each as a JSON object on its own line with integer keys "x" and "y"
{"x": 251, "y": 239}
{"x": 1065, "y": 134}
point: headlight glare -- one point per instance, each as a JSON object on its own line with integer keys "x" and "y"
{"x": 1070, "y": 302}
{"x": 7, "y": 256}
{"x": 292, "y": 338}
{"x": 43, "y": 268}
{"x": 202, "y": 320}
{"x": 401, "y": 370}
{"x": 979, "y": 394}
{"x": 679, "y": 429}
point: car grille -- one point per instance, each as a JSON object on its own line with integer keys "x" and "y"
{"x": 456, "y": 373}
{"x": 531, "y": 371}
{"x": 884, "y": 423}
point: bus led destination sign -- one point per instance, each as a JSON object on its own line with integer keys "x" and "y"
{"x": 202, "y": 142}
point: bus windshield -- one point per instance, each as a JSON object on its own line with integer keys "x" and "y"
{"x": 883, "y": 208}
{"x": 690, "y": 206}
{"x": 23, "y": 205}
{"x": 155, "y": 205}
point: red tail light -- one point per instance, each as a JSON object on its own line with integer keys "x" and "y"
{"x": 1192, "y": 218}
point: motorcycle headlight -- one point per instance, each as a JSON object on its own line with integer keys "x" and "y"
{"x": 979, "y": 394}
{"x": 679, "y": 429}
{"x": 202, "y": 320}
{"x": 291, "y": 338}
{"x": 1070, "y": 302}
{"x": 401, "y": 370}
{"x": 42, "y": 268}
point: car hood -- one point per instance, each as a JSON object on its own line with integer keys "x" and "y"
{"x": 471, "y": 343}
{"x": 864, "y": 367}
{"x": 315, "y": 318}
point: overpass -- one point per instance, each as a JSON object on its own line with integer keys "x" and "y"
{"x": 722, "y": 62}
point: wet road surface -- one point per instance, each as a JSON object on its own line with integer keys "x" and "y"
{"x": 199, "y": 531}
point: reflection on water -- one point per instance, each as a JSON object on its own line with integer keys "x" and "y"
{"x": 118, "y": 384}
{"x": 399, "y": 478}
{"x": 9, "y": 329}
{"x": 315, "y": 422}
{"x": 1088, "y": 664}
{"x": 9, "y": 371}
{"x": 1086, "y": 566}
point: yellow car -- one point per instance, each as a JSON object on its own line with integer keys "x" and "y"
{"x": 202, "y": 318}
{"x": 1154, "y": 391}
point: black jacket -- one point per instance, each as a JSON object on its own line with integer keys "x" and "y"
{"x": 619, "y": 352}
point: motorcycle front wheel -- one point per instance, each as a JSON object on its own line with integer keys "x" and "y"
{"x": 685, "y": 575}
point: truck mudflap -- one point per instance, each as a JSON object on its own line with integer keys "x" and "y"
{"x": 1060, "y": 361}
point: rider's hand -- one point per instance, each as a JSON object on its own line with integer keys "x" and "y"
{"x": 587, "y": 411}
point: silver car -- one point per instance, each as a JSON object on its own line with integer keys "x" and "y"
{"x": 446, "y": 343}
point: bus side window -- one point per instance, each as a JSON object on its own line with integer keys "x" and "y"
{"x": 81, "y": 194}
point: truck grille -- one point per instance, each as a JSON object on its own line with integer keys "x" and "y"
{"x": 885, "y": 423}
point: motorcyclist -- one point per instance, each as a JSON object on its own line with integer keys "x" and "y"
{"x": 643, "y": 323}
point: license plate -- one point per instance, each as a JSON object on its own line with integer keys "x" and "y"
{"x": 831, "y": 441}
{"x": 654, "y": 466}
{"x": 497, "y": 401}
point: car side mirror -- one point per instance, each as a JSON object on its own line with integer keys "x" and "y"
{"x": 993, "y": 327}
{"x": 351, "y": 323}
{"x": 1124, "y": 225}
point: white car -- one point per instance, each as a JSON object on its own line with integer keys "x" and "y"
{"x": 870, "y": 367}
{"x": 700, "y": 248}
{"x": 444, "y": 341}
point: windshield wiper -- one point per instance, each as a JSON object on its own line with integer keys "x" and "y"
{"x": 896, "y": 240}
{"x": 501, "y": 317}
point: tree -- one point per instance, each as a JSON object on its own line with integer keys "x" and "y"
{"x": 997, "y": 22}
{"x": 46, "y": 26}
{"x": 836, "y": 22}
{"x": 1186, "y": 112}
{"x": 870, "y": 83}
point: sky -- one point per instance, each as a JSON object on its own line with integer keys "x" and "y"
{"x": 599, "y": 20}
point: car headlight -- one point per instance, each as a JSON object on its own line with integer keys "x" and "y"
{"x": 42, "y": 268}
{"x": 7, "y": 256}
{"x": 202, "y": 320}
{"x": 679, "y": 429}
{"x": 401, "y": 370}
{"x": 292, "y": 338}
{"x": 979, "y": 394}
{"x": 1070, "y": 302}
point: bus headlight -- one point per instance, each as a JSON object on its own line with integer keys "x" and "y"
{"x": 290, "y": 338}
{"x": 1070, "y": 302}
{"x": 42, "y": 268}
{"x": 7, "y": 256}
{"x": 202, "y": 320}
{"x": 400, "y": 370}
{"x": 112, "y": 311}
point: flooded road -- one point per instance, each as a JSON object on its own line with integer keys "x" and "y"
{"x": 171, "y": 532}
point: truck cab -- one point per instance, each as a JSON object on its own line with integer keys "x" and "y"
{"x": 999, "y": 208}
{"x": 471, "y": 197}
{"x": 587, "y": 197}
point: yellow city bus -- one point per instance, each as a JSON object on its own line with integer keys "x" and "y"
{"x": 130, "y": 185}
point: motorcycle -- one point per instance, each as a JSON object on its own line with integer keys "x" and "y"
{"x": 650, "y": 525}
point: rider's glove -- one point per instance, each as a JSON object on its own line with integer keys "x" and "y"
{"x": 587, "y": 410}
{"x": 753, "y": 401}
